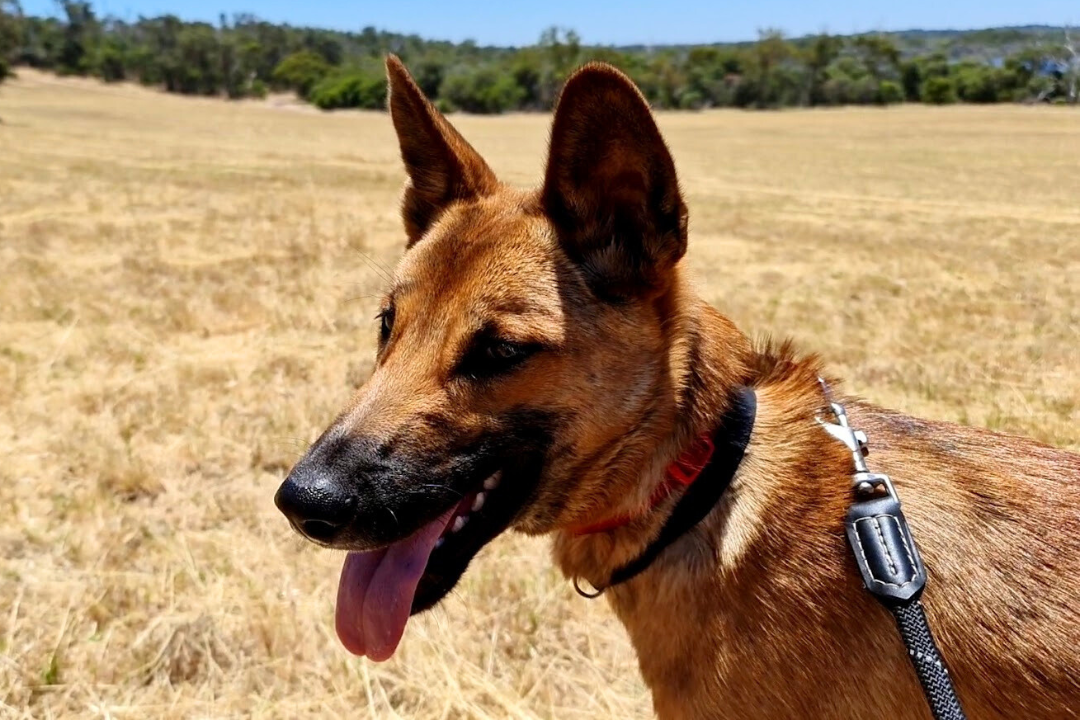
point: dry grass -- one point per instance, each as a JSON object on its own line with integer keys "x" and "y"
{"x": 188, "y": 294}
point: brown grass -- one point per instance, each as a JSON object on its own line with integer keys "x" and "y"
{"x": 188, "y": 291}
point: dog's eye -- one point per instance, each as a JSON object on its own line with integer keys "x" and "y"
{"x": 493, "y": 356}
{"x": 502, "y": 351}
{"x": 386, "y": 324}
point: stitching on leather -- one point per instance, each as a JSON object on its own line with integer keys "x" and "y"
{"x": 866, "y": 563}
{"x": 884, "y": 546}
{"x": 910, "y": 555}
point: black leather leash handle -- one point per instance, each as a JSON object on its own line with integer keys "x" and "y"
{"x": 894, "y": 573}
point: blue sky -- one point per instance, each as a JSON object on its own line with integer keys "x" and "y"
{"x": 620, "y": 22}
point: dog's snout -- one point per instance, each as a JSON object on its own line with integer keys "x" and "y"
{"x": 352, "y": 493}
{"x": 316, "y": 502}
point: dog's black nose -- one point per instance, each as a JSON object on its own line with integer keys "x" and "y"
{"x": 316, "y": 502}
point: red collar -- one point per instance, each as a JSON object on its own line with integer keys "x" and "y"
{"x": 679, "y": 474}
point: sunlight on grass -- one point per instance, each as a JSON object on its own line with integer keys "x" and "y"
{"x": 189, "y": 296}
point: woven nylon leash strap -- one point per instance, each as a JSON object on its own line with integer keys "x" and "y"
{"x": 890, "y": 566}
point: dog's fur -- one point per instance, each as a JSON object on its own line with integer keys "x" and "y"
{"x": 758, "y": 612}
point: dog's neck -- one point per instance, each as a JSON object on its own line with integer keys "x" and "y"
{"x": 708, "y": 357}
{"x": 790, "y": 469}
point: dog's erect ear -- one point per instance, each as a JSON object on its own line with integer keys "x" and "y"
{"x": 610, "y": 185}
{"x": 441, "y": 165}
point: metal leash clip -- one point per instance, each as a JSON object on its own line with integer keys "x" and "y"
{"x": 875, "y": 524}
{"x": 865, "y": 482}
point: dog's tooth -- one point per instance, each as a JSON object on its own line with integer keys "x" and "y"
{"x": 493, "y": 482}
{"x": 439, "y": 542}
{"x": 478, "y": 502}
{"x": 459, "y": 522}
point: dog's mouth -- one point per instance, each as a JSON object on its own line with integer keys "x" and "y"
{"x": 380, "y": 589}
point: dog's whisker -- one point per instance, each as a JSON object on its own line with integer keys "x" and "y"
{"x": 383, "y": 271}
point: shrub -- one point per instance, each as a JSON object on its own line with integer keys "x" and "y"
{"x": 1042, "y": 87}
{"x": 301, "y": 72}
{"x": 690, "y": 99}
{"x": 912, "y": 80}
{"x": 109, "y": 64}
{"x": 429, "y": 75}
{"x": 939, "y": 91}
{"x": 866, "y": 91}
{"x": 258, "y": 89}
{"x": 977, "y": 84}
{"x": 482, "y": 90}
{"x": 890, "y": 93}
{"x": 350, "y": 89}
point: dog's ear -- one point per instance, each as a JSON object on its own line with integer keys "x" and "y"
{"x": 610, "y": 185}
{"x": 442, "y": 167}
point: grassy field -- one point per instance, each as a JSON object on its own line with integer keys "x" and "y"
{"x": 188, "y": 294}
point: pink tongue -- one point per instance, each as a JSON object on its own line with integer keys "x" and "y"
{"x": 376, "y": 589}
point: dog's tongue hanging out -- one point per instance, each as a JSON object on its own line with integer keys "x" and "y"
{"x": 376, "y": 591}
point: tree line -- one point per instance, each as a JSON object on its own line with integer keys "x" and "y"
{"x": 242, "y": 56}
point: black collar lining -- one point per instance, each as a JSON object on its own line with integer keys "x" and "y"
{"x": 731, "y": 439}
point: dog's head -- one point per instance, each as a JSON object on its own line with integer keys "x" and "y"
{"x": 523, "y": 344}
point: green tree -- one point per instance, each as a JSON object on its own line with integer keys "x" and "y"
{"x": 301, "y": 72}
{"x": 354, "y": 88}
{"x": 110, "y": 61}
{"x": 480, "y": 90}
{"x": 197, "y": 69}
{"x": 560, "y": 51}
{"x": 11, "y": 29}
{"x": 849, "y": 83}
{"x": 771, "y": 82}
{"x": 879, "y": 54}
{"x": 80, "y": 35}
{"x": 911, "y": 80}
{"x": 976, "y": 83}
{"x": 429, "y": 74}
{"x": 324, "y": 44}
{"x": 705, "y": 79}
{"x": 820, "y": 54}
{"x": 939, "y": 91}
{"x": 10, "y": 35}
{"x": 1072, "y": 67}
{"x": 890, "y": 92}
{"x": 934, "y": 65}
{"x": 527, "y": 70}
{"x": 665, "y": 83}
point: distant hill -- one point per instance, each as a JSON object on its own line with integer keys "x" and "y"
{"x": 243, "y": 56}
{"x": 981, "y": 44}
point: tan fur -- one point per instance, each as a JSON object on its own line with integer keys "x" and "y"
{"x": 758, "y": 612}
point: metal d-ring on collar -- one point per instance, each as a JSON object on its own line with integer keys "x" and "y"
{"x": 588, "y": 595}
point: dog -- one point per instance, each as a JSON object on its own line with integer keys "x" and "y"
{"x": 543, "y": 362}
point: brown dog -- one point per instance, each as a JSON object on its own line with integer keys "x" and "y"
{"x": 542, "y": 362}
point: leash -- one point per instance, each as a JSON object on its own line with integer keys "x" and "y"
{"x": 890, "y": 565}
{"x": 705, "y": 485}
